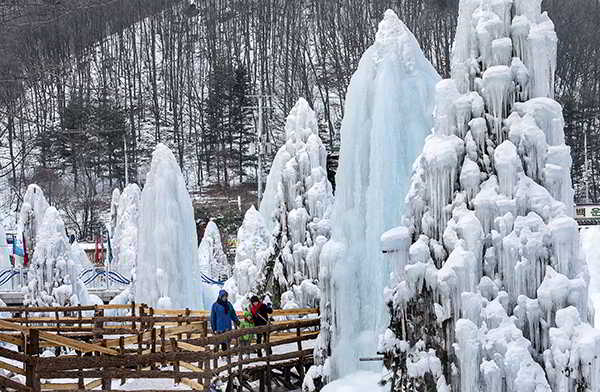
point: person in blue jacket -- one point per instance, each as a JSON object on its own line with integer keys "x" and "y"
{"x": 222, "y": 316}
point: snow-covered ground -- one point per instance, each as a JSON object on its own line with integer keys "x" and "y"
{"x": 360, "y": 381}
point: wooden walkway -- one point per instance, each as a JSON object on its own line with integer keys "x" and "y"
{"x": 96, "y": 349}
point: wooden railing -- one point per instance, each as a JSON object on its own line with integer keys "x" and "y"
{"x": 101, "y": 348}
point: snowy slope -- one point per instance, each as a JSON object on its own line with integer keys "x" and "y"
{"x": 388, "y": 113}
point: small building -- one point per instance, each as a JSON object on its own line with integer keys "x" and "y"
{"x": 587, "y": 214}
{"x": 90, "y": 250}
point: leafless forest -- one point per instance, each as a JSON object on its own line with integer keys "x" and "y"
{"x": 88, "y": 85}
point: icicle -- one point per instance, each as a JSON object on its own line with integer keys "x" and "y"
{"x": 508, "y": 165}
{"x": 498, "y": 92}
{"x": 541, "y": 56}
{"x": 502, "y": 51}
{"x": 468, "y": 354}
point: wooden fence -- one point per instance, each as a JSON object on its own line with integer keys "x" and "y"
{"x": 96, "y": 349}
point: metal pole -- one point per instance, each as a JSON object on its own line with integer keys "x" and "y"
{"x": 126, "y": 163}
{"x": 587, "y": 168}
{"x": 260, "y": 142}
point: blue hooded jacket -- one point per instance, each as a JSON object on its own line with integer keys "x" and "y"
{"x": 222, "y": 314}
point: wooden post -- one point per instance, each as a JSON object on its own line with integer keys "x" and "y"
{"x": 32, "y": 350}
{"x": 179, "y": 324}
{"x": 162, "y": 342}
{"x": 140, "y": 338}
{"x": 133, "y": 315}
{"x": 57, "y": 322}
{"x": 151, "y": 315}
{"x": 142, "y": 314}
{"x": 187, "y": 315}
{"x": 98, "y": 325}
{"x": 106, "y": 381}
{"x": 122, "y": 352}
{"x": 176, "y": 363}
{"x": 240, "y": 359}
{"x": 268, "y": 357}
{"x": 300, "y": 367}
{"x": 207, "y": 379}
{"x": 262, "y": 382}
{"x": 153, "y": 346}
{"x": 80, "y": 381}
{"x": 216, "y": 358}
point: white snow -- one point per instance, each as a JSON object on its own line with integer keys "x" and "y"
{"x": 167, "y": 274}
{"x": 360, "y": 381}
{"x": 388, "y": 113}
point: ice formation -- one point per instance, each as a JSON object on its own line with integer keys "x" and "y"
{"x": 490, "y": 287}
{"x": 114, "y": 210}
{"x": 167, "y": 274}
{"x": 590, "y": 241}
{"x": 388, "y": 113}
{"x": 211, "y": 257}
{"x": 252, "y": 253}
{"x": 32, "y": 215}
{"x": 125, "y": 232}
{"x": 297, "y": 200}
{"x": 54, "y": 272}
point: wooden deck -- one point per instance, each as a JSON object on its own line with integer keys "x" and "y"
{"x": 95, "y": 349}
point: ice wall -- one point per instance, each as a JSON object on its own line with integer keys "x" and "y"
{"x": 490, "y": 290}
{"x": 298, "y": 199}
{"x": 388, "y": 113}
{"x": 167, "y": 273}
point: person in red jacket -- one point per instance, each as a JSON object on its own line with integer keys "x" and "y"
{"x": 260, "y": 316}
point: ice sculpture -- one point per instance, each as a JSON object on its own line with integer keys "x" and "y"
{"x": 252, "y": 253}
{"x": 297, "y": 200}
{"x": 211, "y": 257}
{"x": 125, "y": 233}
{"x": 388, "y": 113}
{"x": 490, "y": 281}
{"x": 32, "y": 215}
{"x": 54, "y": 272}
{"x": 167, "y": 274}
